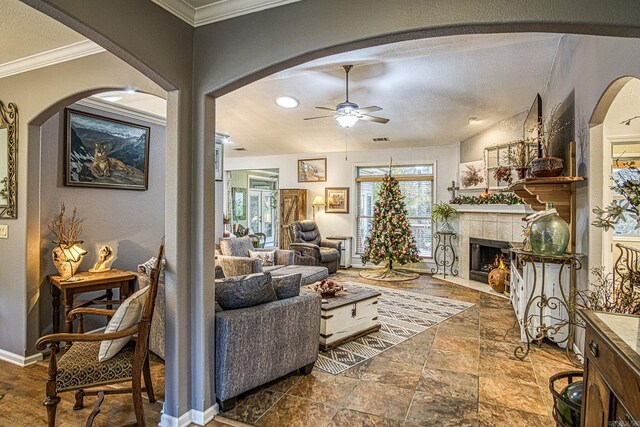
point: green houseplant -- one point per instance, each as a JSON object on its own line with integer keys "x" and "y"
{"x": 444, "y": 213}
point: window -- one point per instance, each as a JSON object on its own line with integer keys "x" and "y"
{"x": 621, "y": 172}
{"x": 416, "y": 185}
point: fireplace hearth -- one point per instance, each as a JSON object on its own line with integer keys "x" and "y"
{"x": 483, "y": 253}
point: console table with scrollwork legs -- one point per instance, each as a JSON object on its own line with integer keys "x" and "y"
{"x": 444, "y": 247}
{"x": 546, "y": 299}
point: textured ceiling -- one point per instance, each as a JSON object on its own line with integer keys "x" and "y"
{"x": 427, "y": 88}
{"x": 26, "y": 32}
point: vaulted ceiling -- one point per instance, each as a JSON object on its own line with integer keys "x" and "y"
{"x": 427, "y": 88}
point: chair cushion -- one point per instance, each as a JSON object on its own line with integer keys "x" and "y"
{"x": 329, "y": 255}
{"x": 310, "y": 274}
{"x": 128, "y": 314}
{"x": 233, "y": 293}
{"x": 236, "y": 246}
{"x": 267, "y": 257}
{"x": 79, "y": 367}
{"x": 287, "y": 286}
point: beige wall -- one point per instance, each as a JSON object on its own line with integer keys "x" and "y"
{"x": 511, "y": 129}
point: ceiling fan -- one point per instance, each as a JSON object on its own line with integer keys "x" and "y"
{"x": 348, "y": 113}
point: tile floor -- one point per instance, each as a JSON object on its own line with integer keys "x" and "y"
{"x": 461, "y": 372}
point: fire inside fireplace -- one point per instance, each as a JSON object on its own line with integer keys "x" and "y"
{"x": 486, "y": 255}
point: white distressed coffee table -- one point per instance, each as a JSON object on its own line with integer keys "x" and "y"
{"x": 350, "y": 314}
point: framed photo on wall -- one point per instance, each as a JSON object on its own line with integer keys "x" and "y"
{"x": 337, "y": 199}
{"x": 473, "y": 175}
{"x": 219, "y": 160}
{"x": 105, "y": 153}
{"x": 312, "y": 170}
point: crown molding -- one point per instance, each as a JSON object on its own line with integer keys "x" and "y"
{"x": 218, "y": 10}
{"x": 50, "y": 57}
{"x": 123, "y": 110}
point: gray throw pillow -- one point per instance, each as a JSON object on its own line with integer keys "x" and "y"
{"x": 236, "y": 246}
{"x": 233, "y": 293}
{"x": 287, "y": 286}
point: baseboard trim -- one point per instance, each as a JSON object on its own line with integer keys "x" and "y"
{"x": 196, "y": 417}
{"x": 202, "y": 418}
{"x": 18, "y": 360}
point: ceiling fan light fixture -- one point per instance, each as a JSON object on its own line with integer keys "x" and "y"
{"x": 347, "y": 121}
{"x": 287, "y": 102}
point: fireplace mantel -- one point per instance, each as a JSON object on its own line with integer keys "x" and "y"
{"x": 506, "y": 209}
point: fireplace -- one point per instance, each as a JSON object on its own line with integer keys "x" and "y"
{"x": 483, "y": 253}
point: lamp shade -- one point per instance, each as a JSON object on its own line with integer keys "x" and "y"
{"x": 347, "y": 120}
{"x": 318, "y": 201}
{"x": 73, "y": 253}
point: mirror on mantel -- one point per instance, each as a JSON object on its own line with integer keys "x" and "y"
{"x": 8, "y": 160}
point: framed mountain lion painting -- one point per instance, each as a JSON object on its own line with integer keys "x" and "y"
{"x": 105, "y": 153}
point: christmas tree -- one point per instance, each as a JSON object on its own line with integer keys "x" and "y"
{"x": 390, "y": 240}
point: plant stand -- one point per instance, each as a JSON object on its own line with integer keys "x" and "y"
{"x": 444, "y": 245}
{"x": 549, "y": 310}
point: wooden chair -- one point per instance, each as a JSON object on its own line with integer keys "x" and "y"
{"x": 78, "y": 368}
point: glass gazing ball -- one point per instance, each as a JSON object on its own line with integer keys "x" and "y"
{"x": 573, "y": 393}
{"x": 549, "y": 235}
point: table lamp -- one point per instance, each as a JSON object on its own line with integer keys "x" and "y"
{"x": 73, "y": 253}
{"x": 317, "y": 202}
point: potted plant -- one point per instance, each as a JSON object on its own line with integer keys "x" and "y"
{"x": 548, "y": 130}
{"x": 619, "y": 294}
{"x": 444, "y": 212}
{"x": 519, "y": 156}
{"x": 503, "y": 173}
{"x": 67, "y": 254}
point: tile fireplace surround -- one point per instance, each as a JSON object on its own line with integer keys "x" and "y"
{"x": 487, "y": 222}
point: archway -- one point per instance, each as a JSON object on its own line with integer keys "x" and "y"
{"x": 610, "y": 137}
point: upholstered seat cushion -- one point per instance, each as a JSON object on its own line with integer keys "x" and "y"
{"x": 79, "y": 366}
{"x": 310, "y": 274}
{"x": 329, "y": 255}
{"x": 286, "y": 286}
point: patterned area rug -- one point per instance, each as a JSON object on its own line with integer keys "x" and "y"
{"x": 402, "y": 315}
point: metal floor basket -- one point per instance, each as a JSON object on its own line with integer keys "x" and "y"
{"x": 574, "y": 410}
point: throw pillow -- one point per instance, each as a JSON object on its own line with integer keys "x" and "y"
{"x": 287, "y": 286}
{"x": 267, "y": 257}
{"x": 237, "y": 292}
{"x": 128, "y": 314}
{"x": 146, "y": 267}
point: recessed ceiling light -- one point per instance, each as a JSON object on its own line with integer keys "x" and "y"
{"x": 287, "y": 102}
{"x": 129, "y": 90}
{"x": 473, "y": 120}
{"x": 111, "y": 98}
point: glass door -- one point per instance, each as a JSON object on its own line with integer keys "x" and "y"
{"x": 262, "y": 214}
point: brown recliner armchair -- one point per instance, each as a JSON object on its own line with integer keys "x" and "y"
{"x": 309, "y": 247}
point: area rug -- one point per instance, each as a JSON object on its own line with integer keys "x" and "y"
{"x": 402, "y": 315}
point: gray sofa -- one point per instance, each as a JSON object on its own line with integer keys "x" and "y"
{"x": 264, "y": 342}
{"x": 234, "y": 261}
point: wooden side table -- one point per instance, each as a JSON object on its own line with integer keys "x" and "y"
{"x": 103, "y": 281}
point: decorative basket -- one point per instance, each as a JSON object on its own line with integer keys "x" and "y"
{"x": 327, "y": 288}
{"x": 565, "y": 412}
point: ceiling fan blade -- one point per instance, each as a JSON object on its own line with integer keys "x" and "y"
{"x": 374, "y": 119}
{"x": 318, "y": 117}
{"x": 371, "y": 109}
{"x": 326, "y": 108}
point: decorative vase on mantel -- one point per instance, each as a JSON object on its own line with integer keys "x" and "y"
{"x": 522, "y": 173}
{"x": 547, "y": 166}
{"x": 65, "y": 267}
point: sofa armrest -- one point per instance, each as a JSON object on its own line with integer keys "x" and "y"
{"x": 258, "y": 344}
{"x": 238, "y": 266}
{"x": 285, "y": 257}
{"x": 306, "y": 249}
{"x": 335, "y": 244}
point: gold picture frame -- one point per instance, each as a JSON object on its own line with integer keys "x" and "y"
{"x": 336, "y": 199}
{"x": 312, "y": 170}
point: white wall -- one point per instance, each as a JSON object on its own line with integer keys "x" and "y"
{"x": 511, "y": 129}
{"x": 341, "y": 173}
